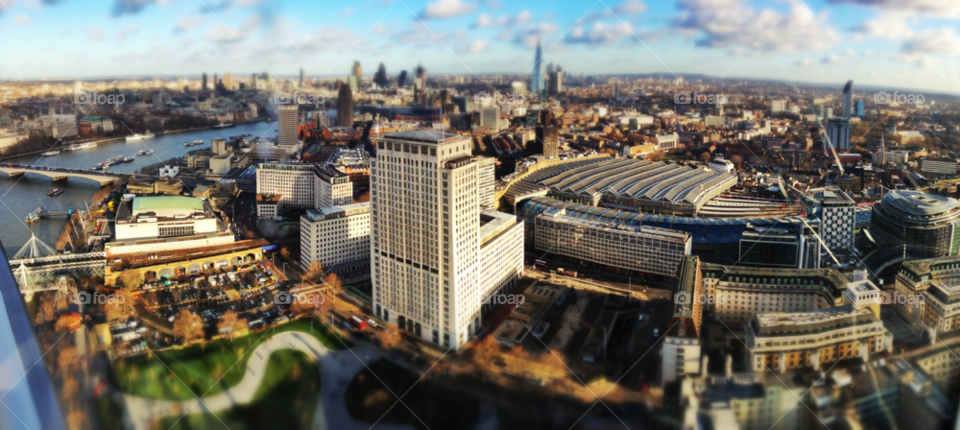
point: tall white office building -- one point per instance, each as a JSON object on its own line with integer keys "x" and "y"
{"x": 837, "y": 213}
{"x": 838, "y": 130}
{"x": 488, "y": 193}
{"x": 335, "y": 236}
{"x": 300, "y": 185}
{"x": 435, "y": 254}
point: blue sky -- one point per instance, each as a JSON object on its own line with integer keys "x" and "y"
{"x": 895, "y": 43}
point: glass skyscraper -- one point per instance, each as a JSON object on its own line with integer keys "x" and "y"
{"x": 537, "y": 85}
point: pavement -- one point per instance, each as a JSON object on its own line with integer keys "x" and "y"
{"x": 337, "y": 368}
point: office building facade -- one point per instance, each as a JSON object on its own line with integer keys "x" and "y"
{"x": 335, "y": 235}
{"x": 927, "y": 295}
{"x": 925, "y": 225}
{"x": 644, "y": 249}
{"x": 838, "y": 130}
{"x": 288, "y": 125}
{"x": 428, "y": 249}
{"x": 836, "y": 211}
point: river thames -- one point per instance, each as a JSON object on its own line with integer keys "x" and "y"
{"x": 20, "y": 196}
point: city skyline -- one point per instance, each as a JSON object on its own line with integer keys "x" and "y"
{"x": 817, "y": 41}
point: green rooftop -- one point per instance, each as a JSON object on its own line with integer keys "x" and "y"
{"x": 167, "y": 202}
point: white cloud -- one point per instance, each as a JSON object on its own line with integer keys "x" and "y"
{"x": 832, "y": 59}
{"x": 599, "y": 34}
{"x": 532, "y": 33}
{"x": 804, "y": 62}
{"x": 95, "y": 34}
{"x": 629, "y": 8}
{"x": 943, "y": 41}
{"x": 885, "y": 26}
{"x": 475, "y": 46}
{"x": 447, "y": 9}
{"x": 931, "y": 7}
{"x": 222, "y": 34}
{"x": 348, "y": 11}
{"x": 130, "y": 7}
{"x": 733, "y": 23}
{"x": 189, "y": 23}
{"x": 129, "y": 30}
{"x": 24, "y": 20}
{"x": 486, "y": 21}
{"x": 379, "y": 29}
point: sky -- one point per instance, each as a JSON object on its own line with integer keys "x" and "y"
{"x": 883, "y": 43}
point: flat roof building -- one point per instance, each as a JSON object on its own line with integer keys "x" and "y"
{"x": 335, "y": 235}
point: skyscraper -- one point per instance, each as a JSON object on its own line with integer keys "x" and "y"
{"x": 204, "y": 87}
{"x": 536, "y": 86}
{"x": 402, "y": 79}
{"x": 303, "y": 78}
{"x": 421, "y": 83}
{"x": 556, "y": 83}
{"x": 287, "y": 130}
{"x": 847, "y": 99}
{"x": 838, "y": 130}
{"x": 435, "y": 254}
{"x": 356, "y": 70}
{"x": 345, "y": 106}
{"x": 380, "y": 78}
{"x": 228, "y": 81}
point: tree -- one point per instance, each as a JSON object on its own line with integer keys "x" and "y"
{"x": 306, "y": 303}
{"x": 285, "y": 253}
{"x": 188, "y": 326}
{"x": 390, "y": 340}
{"x": 120, "y": 306}
{"x": 68, "y": 361}
{"x": 333, "y": 282}
{"x": 705, "y": 156}
{"x": 365, "y": 197}
{"x": 231, "y": 323}
{"x": 314, "y": 272}
{"x": 736, "y": 159}
{"x": 130, "y": 278}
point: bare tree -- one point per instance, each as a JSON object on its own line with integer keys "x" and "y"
{"x": 314, "y": 272}
{"x": 230, "y": 320}
{"x": 333, "y": 282}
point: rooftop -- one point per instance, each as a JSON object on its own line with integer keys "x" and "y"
{"x": 917, "y": 203}
{"x": 427, "y": 136}
{"x": 797, "y": 323}
{"x": 143, "y": 204}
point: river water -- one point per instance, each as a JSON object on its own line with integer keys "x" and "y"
{"x": 20, "y": 196}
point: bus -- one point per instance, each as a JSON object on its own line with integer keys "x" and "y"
{"x": 540, "y": 264}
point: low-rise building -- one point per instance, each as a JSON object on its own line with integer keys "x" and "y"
{"x": 641, "y": 249}
{"x": 335, "y": 235}
{"x": 927, "y": 295}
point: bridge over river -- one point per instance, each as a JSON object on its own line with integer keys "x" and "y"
{"x": 59, "y": 173}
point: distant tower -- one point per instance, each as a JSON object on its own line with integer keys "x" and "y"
{"x": 356, "y": 70}
{"x": 303, "y": 78}
{"x": 228, "y": 80}
{"x": 380, "y": 78}
{"x": 422, "y": 84}
{"x": 288, "y": 133}
{"x": 847, "y": 99}
{"x": 537, "y": 84}
{"x": 204, "y": 87}
{"x": 402, "y": 79}
{"x": 880, "y": 153}
{"x": 345, "y": 106}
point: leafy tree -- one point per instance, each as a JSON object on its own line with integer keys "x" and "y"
{"x": 314, "y": 272}
{"x": 188, "y": 326}
{"x": 230, "y": 320}
{"x": 333, "y": 282}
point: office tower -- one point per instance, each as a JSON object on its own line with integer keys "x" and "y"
{"x": 847, "y": 99}
{"x": 555, "y": 83}
{"x": 345, "y": 106}
{"x": 335, "y": 235}
{"x": 353, "y": 82}
{"x": 616, "y": 91}
{"x": 204, "y": 87}
{"x": 435, "y": 254}
{"x": 402, "y": 79}
{"x": 287, "y": 125}
{"x": 228, "y": 81}
{"x": 356, "y": 70}
{"x": 303, "y": 78}
{"x": 490, "y": 117}
{"x": 549, "y": 140}
{"x": 380, "y": 78}
{"x": 300, "y": 185}
{"x": 216, "y": 82}
{"x": 837, "y": 213}
{"x": 254, "y": 81}
{"x": 536, "y": 86}
{"x": 860, "y": 108}
{"x": 421, "y": 83}
{"x": 488, "y": 170}
{"x": 838, "y": 130}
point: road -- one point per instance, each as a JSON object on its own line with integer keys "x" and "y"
{"x": 337, "y": 368}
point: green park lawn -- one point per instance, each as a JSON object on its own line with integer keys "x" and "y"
{"x": 287, "y": 398}
{"x": 203, "y": 370}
